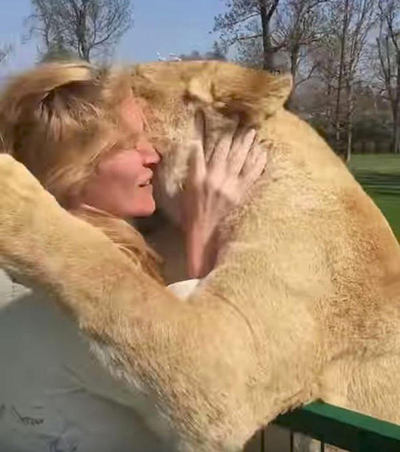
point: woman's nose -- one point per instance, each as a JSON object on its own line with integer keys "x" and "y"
{"x": 149, "y": 155}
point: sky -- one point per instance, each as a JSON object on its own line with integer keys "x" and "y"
{"x": 164, "y": 26}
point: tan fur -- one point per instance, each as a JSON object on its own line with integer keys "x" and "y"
{"x": 304, "y": 302}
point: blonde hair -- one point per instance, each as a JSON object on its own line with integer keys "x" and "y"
{"x": 57, "y": 119}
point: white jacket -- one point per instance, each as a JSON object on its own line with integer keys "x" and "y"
{"x": 54, "y": 397}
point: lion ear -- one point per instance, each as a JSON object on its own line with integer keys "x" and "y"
{"x": 237, "y": 90}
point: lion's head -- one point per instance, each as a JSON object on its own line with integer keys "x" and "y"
{"x": 173, "y": 93}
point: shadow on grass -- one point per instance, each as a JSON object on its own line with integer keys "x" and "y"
{"x": 384, "y": 189}
{"x": 385, "y": 184}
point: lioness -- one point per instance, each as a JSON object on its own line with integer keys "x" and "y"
{"x": 304, "y": 302}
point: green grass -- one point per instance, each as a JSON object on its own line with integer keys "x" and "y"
{"x": 379, "y": 174}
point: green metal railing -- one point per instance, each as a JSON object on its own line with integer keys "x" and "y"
{"x": 342, "y": 428}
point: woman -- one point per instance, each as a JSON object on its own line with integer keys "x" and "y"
{"x": 88, "y": 147}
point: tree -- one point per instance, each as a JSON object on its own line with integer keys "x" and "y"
{"x": 388, "y": 50}
{"x": 215, "y": 54}
{"x": 274, "y": 34}
{"x": 328, "y": 48}
{"x": 300, "y": 25}
{"x": 5, "y": 51}
{"x": 245, "y": 23}
{"x": 57, "y": 52}
{"x": 86, "y": 28}
{"x": 364, "y": 21}
{"x": 339, "y": 59}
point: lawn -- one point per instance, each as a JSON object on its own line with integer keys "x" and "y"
{"x": 379, "y": 174}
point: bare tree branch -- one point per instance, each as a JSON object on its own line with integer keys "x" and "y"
{"x": 85, "y": 28}
{"x": 247, "y": 20}
{"x": 5, "y": 51}
{"x": 388, "y": 52}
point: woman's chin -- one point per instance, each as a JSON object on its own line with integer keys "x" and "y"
{"x": 145, "y": 209}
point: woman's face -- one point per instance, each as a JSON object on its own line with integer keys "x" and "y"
{"x": 122, "y": 184}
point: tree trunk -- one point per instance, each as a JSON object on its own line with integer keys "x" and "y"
{"x": 82, "y": 33}
{"x": 343, "y": 44}
{"x": 396, "y": 132}
{"x": 294, "y": 60}
{"x": 267, "y": 47}
{"x": 396, "y": 110}
{"x": 349, "y": 141}
{"x": 266, "y": 16}
{"x": 349, "y": 117}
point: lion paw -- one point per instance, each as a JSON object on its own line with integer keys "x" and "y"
{"x": 17, "y": 184}
{"x": 21, "y": 202}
